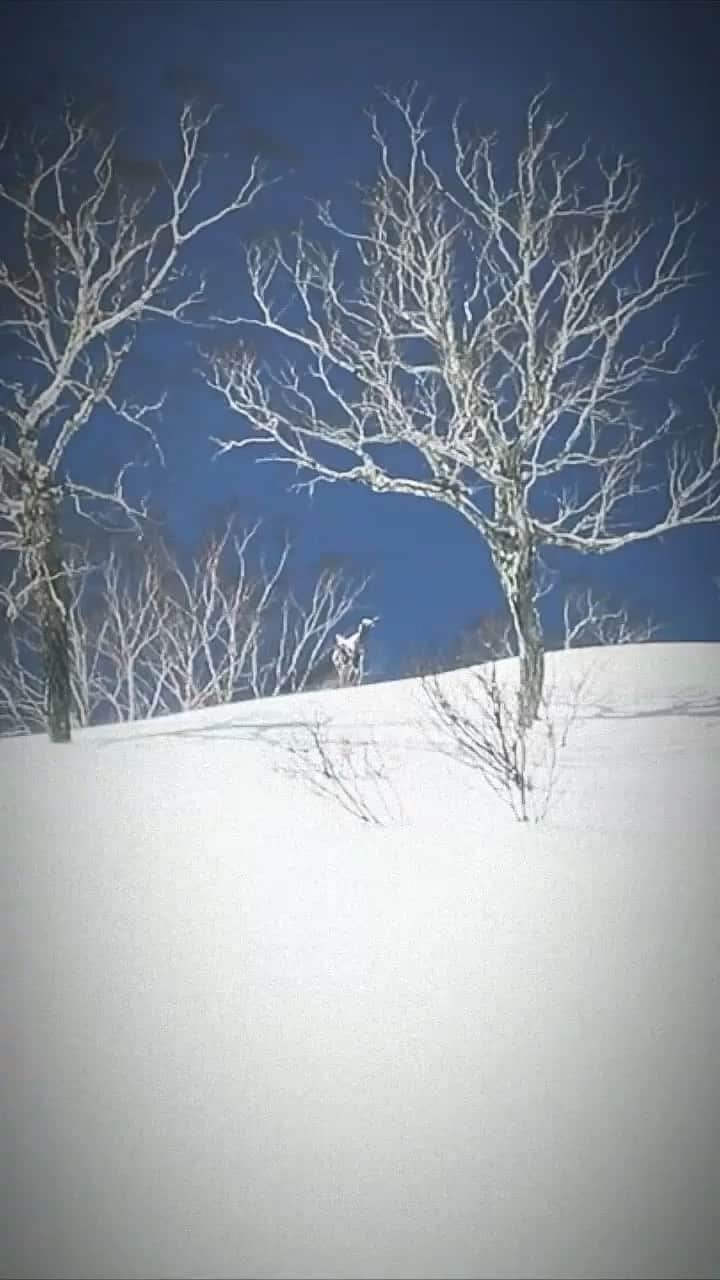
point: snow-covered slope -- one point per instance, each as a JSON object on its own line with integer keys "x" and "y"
{"x": 246, "y": 1034}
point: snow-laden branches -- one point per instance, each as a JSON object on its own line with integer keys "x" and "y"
{"x": 88, "y": 257}
{"x": 152, "y": 636}
{"x": 491, "y": 336}
{"x": 493, "y": 329}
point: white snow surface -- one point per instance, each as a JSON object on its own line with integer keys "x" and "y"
{"x": 245, "y": 1034}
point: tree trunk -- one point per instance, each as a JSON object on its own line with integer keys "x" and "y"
{"x": 514, "y": 557}
{"x": 531, "y": 654}
{"x": 49, "y": 586}
{"x": 56, "y": 647}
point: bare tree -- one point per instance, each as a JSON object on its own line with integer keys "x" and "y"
{"x": 194, "y": 645}
{"x": 232, "y": 626}
{"x": 93, "y": 254}
{"x": 150, "y": 636}
{"x": 302, "y": 634}
{"x": 591, "y": 620}
{"x": 351, "y": 773}
{"x": 22, "y": 686}
{"x": 484, "y": 342}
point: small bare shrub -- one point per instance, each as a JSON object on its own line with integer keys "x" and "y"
{"x": 352, "y": 773}
{"x": 481, "y": 725}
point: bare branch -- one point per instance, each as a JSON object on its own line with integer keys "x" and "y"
{"x": 351, "y": 773}
{"x": 477, "y": 722}
{"x": 588, "y": 620}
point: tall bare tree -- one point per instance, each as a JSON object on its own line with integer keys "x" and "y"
{"x": 91, "y": 254}
{"x": 484, "y": 337}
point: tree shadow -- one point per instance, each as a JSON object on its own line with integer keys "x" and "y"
{"x": 233, "y": 731}
{"x": 703, "y": 707}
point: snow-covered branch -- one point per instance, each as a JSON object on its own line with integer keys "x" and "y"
{"x": 496, "y": 332}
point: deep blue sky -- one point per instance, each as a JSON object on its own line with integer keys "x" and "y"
{"x": 294, "y": 77}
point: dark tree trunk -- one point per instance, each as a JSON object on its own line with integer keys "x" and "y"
{"x": 44, "y": 563}
{"x": 531, "y": 654}
{"x": 49, "y": 586}
{"x": 515, "y": 559}
{"x": 56, "y": 644}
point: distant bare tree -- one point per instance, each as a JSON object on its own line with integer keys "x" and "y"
{"x": 95, "y": 247}
{"x": 22, "y": 686}
{"x": 489, "y": 637}
{"x": 150, "y": 636}
{"x": 233, "y": 629}
{"x": 484, "y": 342}
{"x": 590, "y": 620}
{"x": 303, "y": 634}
